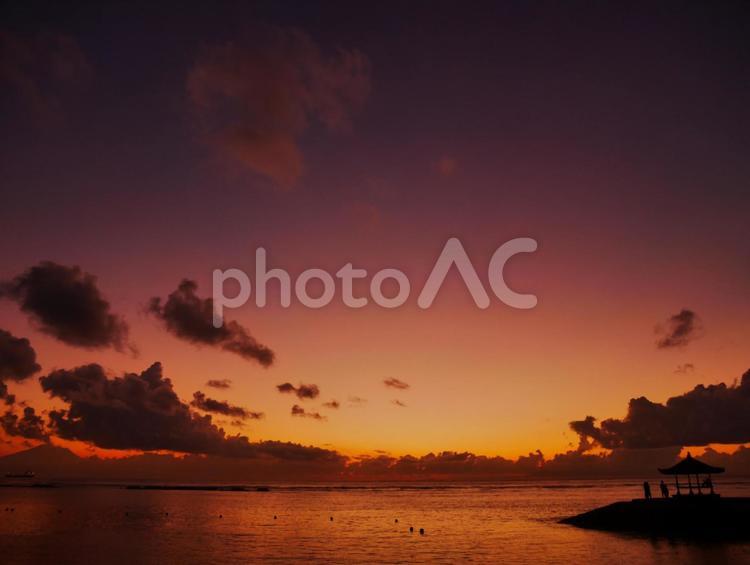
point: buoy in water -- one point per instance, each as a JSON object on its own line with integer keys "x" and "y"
{"x": 421, "y": 531}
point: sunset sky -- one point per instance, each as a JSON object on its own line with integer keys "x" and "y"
{"x": 149, "y": 145}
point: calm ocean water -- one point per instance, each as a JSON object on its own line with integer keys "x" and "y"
{"x": 507, "y": 522}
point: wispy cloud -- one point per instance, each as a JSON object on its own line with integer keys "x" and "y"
{"x": 189, "y": 317}
{"x": 396, "y": 383}
{"x": 219, "y": 383}
{"x": 256, "y": 97}
{"x": 678, "y": 330}
{"x": 302, "y": 391}
{"x": 297, "y": 410}
{"x": 202, "y": 402}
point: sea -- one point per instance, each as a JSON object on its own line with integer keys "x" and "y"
{"x": 507, "y": 522}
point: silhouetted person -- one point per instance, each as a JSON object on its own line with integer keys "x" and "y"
{"x": 708, "y": 483}
{"x": 664, "y": 489}
{"x": 646, "y": 490}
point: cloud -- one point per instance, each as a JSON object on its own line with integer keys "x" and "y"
{"x": 142, "y": 412}
{"x": 190, "y": 318}
{"x": 446, "y": 166}
{"x": 135, "y": 411}
{"x": 704, "y": 415}
{"x": 43, "y": 70}
{"x": 399, "y": 403}
{"x": 446, "y": 465}
{"x": 219, "y": 383}
{"x": 395, "y": 383}
{"x": 284, "y": 462}
{"x": 28, "y": 426}
{"x": 685, "y": 368}
{"x": 357, "y": 400}
{"x": 333, "y": 404}
{"x": 255, "y": 99}
{"x": 66, "y": 303}
{"x": 678, "y": 330}
{"x": 297, "y": 410}
{"x": 302, "y": 391}
{"x": 202, "y": 402}
{"x": 17, "y": 362}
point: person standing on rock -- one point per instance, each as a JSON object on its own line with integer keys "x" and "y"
{"x": 646, "y": 490}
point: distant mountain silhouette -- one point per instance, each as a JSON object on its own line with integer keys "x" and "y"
{"x": 52, "y": 464}
{"x": 44, "y": 460}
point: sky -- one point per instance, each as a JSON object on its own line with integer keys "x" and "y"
{"x": 147, "y": 145}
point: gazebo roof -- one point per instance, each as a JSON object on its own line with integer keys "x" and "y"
{"x": 691, "y": 466}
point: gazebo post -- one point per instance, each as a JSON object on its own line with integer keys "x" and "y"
{"x": 698, "y": 482}
{"x": 711, "y": 483}
{"x": 677, "y": 484}
{"x": 690, "y": 484}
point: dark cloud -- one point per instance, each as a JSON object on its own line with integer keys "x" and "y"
{"x": 277, "y": 461}
{"x": 135, "y": 411}
{"x": 202, "y": 402}
{"x": 447, "y": 465}
{"x": 190, "y": 317}
{"x": 460, "y": 466}
{"x": 43, "y": 69}
{"x": 297, "y": 410}
{"x": 302, "y": 391}
{"x": 219, "y": 383}
{"x": 255, "y": 99}
{"x": 395, "y": 383}
{"x": 333, "y": 404}
{"x": 4, "y": 396}
{"x": 296, "y": 452}
{"x": 399, "y": 403}
{"x": 617, "y": 463}
{"x": 17, "y": 362}
{"x": 685, "y": 368}
{"x": 28, "y": 426}
{"x": 704, "y": 415}
{"x": 142, "y": 411}
{"x": 678, "y": 330}
{"x": 357, "y": 400}
{"x": 65, "y": 303}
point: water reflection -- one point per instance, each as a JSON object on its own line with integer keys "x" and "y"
{"x": 513, "y": 523}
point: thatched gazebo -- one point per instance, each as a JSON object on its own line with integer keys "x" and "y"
{"x": 692, "y": 467}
